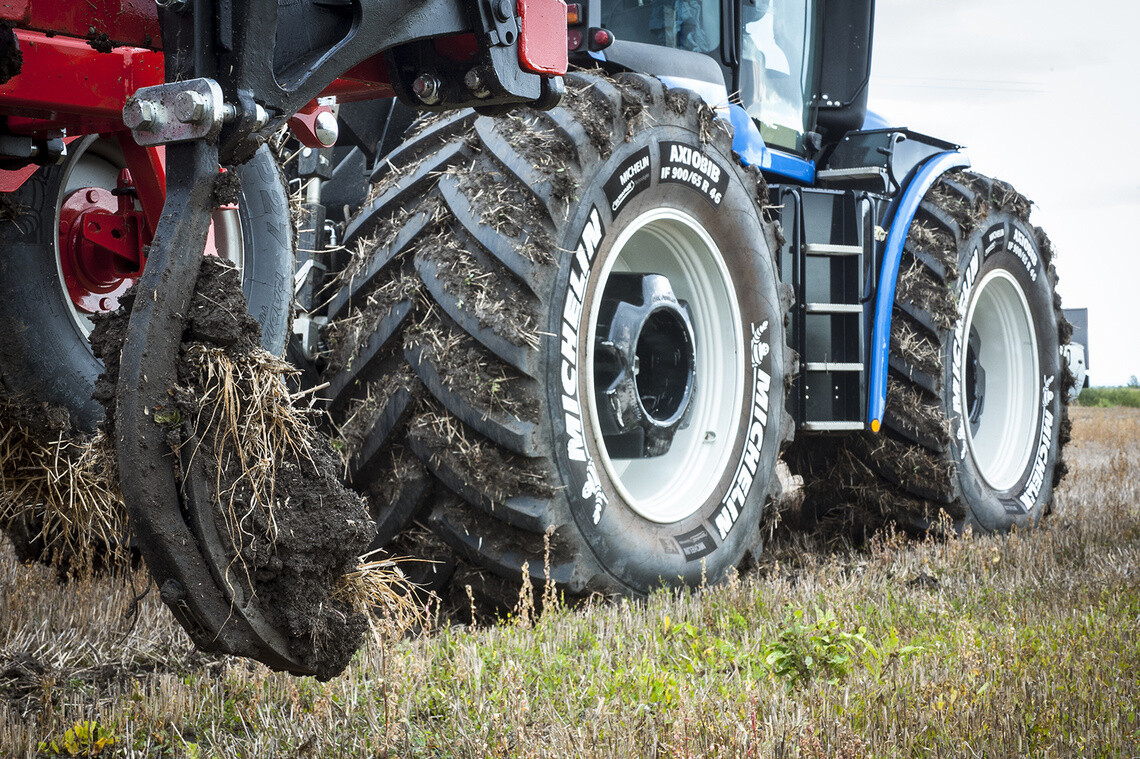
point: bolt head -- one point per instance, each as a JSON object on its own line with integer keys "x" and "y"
{"x": 473, "y": 80}
{"x": 504, "y": 9}
{"x": 326, "y": 129}
{"x": 190, "y": 107}
{"x": 427, "y": 88}
{"x": 140, "y": 114}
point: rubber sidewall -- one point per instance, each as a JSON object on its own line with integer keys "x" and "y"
{"x": 639, "y": 553}
{"x": 1004, "y": 242}
{"x": 46, "y": 354}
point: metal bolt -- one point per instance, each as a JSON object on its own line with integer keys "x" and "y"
{"x": 504, "y": 9}
{"x": 326, "y": 129}
{"x": 427, "y": 88}
{"x": 190, "y": 107}
{"x": 260, "y": 115}
{"x": 473, "y": 80}
{"x": 142, "y": 115}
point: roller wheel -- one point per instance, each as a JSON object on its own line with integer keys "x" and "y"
{"x": 977, "y": 410}
{"x": 46, "y": 303}
{"x": 560, "y": 348}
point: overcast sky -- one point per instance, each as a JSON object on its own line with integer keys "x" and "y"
{"x": 1043, "y": 94}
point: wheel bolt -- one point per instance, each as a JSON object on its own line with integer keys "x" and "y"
{"x": 473, "y": 80}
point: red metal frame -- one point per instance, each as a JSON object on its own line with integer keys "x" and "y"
{"x": 65, "y": 84}
{"x": 66, "y": 87}
{"x": 125, "y": 22}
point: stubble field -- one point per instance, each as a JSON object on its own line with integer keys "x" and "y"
{"x": 1026, "y": 645}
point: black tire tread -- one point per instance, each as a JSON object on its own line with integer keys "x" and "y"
{"x": 501, "y": 192}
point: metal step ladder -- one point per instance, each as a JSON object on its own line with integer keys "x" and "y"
{"x": 830, "y": 271}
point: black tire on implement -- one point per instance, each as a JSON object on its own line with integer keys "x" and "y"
{"x": 462, "y": 360}
{"x": 977, "y": 397}
{"x": 45, "y": 356}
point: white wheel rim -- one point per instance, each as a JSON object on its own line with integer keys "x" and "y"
{"x": 90, "y": 168}
{"x": 669, "y": 488}
{"x": 1002, "y": 443}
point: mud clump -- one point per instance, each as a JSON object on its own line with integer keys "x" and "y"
{"x": 287, "y": 531}
{"x": 59, "y": 499}
{"x": 100, "y": 42}
{"x": 11, "y": 59}
{"x": 227, "y": 188}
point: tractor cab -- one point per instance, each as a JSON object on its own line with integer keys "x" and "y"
{"x": 799, "y": 68}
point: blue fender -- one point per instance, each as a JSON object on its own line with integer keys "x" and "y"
{"x": 898, "y": 218}
{"x": 749, "y": 145}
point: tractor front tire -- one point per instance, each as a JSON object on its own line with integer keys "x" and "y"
{"x": 562, "y": 348}
{"x": 977, "y": 396}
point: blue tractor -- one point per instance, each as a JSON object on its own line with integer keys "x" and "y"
{"x": 580, "y": 343}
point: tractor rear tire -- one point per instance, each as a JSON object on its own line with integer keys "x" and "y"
{"x": 470, "y": 362}
{"x": 977, "y": 396}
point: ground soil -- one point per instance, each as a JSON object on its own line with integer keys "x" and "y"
{"x": 291, "y": 555}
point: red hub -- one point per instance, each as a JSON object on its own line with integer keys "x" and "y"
{"x": 101, "y": 245}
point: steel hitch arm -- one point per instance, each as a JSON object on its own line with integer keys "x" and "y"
{"x": 235, "y": 71}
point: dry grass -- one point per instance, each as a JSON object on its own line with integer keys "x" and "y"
{"x": 380, "y": 586}
{"x": 63, "y": 485}
{"x": 250, "y": 423}
{"x": 1026, "y": 645}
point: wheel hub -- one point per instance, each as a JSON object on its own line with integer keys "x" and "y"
{"x": 645, "y": 356}
{"x": 975, "y": 380}
{"x": 1002, "y": 401}
{"x": 100, "y": 245}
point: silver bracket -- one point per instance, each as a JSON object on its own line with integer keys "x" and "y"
{"x": 177, "y": 112}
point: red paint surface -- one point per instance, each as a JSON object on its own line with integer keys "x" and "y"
{"x": 126, "y": 22}
{"x": 542, "y": 39}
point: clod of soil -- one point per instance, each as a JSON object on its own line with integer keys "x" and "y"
{"x": 11, "y": 59}
{"x": 289, "y": 530}
{"x": 59, "y": 499}
{"x": 227, "y": 188}
{"x": 99, "y": 41}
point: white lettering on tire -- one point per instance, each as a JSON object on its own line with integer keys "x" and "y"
{"x": 733, "y": 503}
{"x": 576, "y": 449}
